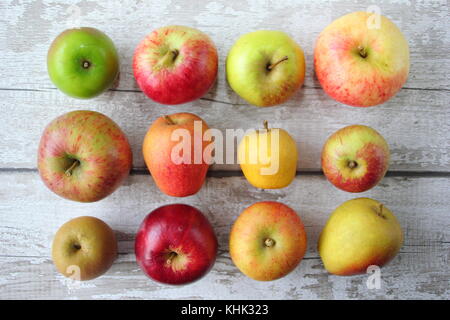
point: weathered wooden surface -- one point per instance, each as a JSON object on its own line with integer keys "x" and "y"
{"x": 418, "y": 138}
{"x": 30, "y": 26}
{"x": 31, "y": 215}
{"x": 415, "y": 123}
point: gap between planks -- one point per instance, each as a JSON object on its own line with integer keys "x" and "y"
{"x": 233, "y": 173}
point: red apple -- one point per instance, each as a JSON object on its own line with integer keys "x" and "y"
{"x": 175, "y": 244}
{"x": 83, "y": 156}
{"x": 361, "y": 59}
{"x": 175, "y": 64}
{"x": 174, "y": 153}
{"x": 355, "y": 158}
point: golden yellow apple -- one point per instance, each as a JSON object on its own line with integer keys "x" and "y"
{"x": 268, "y": 158}
{"x": 84, "y": 248}
{"x": 359, "y": 233}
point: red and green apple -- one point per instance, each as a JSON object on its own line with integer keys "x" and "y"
{"x": 267, "y": 241}
{"x": 355, "y": 158}
{"x": 361, "y": 59}
{"x": 83, "y": 156}
{"x": 175, "y": 64}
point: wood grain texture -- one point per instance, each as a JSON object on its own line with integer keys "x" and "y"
{"x": 415, "y": 123}
{"x": 30, "y": 215}
{"x": 30, "y": 26}
{"x": 418, "y": 136}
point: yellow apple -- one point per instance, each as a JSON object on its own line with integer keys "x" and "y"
{"x": 84, "y": 248}
{"x": 268, "y": 158}
{"x": 359, "y": 233}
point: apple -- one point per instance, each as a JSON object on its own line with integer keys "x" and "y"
{"x": 84, "y": 248}
{"x": 355, "y": 158}
{"x": 359, "y": 233}
{"x": 175, "y": 64}
{"x": 177, "y": 164}
{"x": 83, "y": 156}
{"x": 265, "y": 67}
{"x": 361, "y": 59}
{"x": 82, "y": 62}
{"x": 268, "y": 158}
{"x": 175, "y": 244}
{"x": 267, "y": 241}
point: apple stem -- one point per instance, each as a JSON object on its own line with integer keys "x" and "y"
{"x": 68, "y": 172}
{"x": 269, "y": 242}
{"x": 169, "y": 120}
{"x": 271, "y": 66}
{"x": 266, "y": 125}
{"x": 172, "y": 255}
{"x": 167, "y": 59}
{"x": 381, "y": 211}
{"x": 378, "y": 210}
{"x": 175, "y": 53}
{"x": 362, "y": 51}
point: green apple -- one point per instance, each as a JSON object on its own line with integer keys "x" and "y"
{"x": 82, "y": 62}
{"x": 265, "y": 67}
{"x": 359, "y": 233}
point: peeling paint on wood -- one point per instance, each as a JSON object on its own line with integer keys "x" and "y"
{"x": 30, "y": 215}
{"x": 415, "y": 123}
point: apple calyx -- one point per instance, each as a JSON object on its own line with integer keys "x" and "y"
{"x": 69, "y": 170}
{"x": 269, "y": 242}
{"x": 85, "y": 64}
{"x": 269, "y": 67}
{"x": 168, "y": 59}
{"x": 76, "y": 246}
{"x": 352, "y": 164}
{"x": 362, "y": 52}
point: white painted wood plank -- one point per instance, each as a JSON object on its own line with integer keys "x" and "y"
{"x": 30, "y": 215}
{"x": 28, "y": 27}
{"x": 33, "y": 278}
{"x": 415, "y": 123}
{"x": 417, "y": 129}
